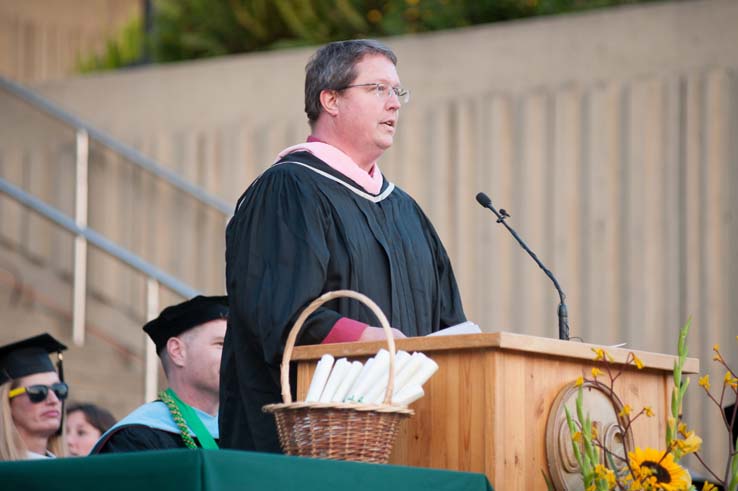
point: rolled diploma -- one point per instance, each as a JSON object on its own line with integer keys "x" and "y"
{"x": 411, "y": 366}
{"x": 339, "y": 372}
{"x": 427, "y": 368}
{"x": 401, "y": 359}
{"x": 367, "y": 366}
{"x": 376, "y": 393}
{"x": 348, "y": 381}
{"x": 408, "y": 395}
{"x": 372, "y": 375}
{"x": 322, "y": 371}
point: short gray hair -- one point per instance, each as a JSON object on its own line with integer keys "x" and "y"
{"x": 332, "y": 67}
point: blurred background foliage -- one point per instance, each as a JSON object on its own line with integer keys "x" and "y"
{"x": 176, "y": 30}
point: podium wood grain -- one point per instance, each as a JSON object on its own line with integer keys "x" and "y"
{"x": 486, "y": 408}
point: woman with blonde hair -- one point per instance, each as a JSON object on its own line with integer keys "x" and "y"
{"x": 32, "y": 394}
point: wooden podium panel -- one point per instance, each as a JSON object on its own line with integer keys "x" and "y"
{"x": 486, "y": 408}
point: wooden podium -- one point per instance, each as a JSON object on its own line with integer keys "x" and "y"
{"x": 486, "y": 408}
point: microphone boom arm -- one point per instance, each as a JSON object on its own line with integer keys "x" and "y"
{"x": 563, "y": 313}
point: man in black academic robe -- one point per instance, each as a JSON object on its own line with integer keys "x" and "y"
{"x": 323, "y": 218}
{"x": 189, "y": 340}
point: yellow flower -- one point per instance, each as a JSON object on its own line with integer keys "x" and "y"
{"x": 596, "y": 371}
{"x": 704, "y": 382}
{"x": 625, "y": 411}
{"x": 690, "y": 444}
{"x": 730, "y": 380}
{"x": 717, "y": 357}
{"x": 579, "y": 382}
{"x": 656, "y": 471}
{"x": 599, "y": 353}
{"x": 682, "y": 429}
{"x": 716, "y": 347}
{"x": 577, "y": 436}
{"x": 638, "y": 362}
{"x": 648, "y": 411}
{"x": 605, "y": 474}
{"x": 708, "y": 486}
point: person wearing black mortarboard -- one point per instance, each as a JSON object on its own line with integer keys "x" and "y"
{"x": 189, "y": 340}
{"x": 32, "y": 394}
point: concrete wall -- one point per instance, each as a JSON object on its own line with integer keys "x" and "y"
{"x": 43, "y": 39}
{"x": 611, "y": 137}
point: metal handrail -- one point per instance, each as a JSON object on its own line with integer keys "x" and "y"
{"x": 98, "y": 240}
{"x": 133, "y": 155}
{"x": 83, "y": 234}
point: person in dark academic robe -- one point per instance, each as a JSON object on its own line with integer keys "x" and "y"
{"x": 32, "y": 395}
{"x": 189, "y": 341}
{"x": 324, "y": 218}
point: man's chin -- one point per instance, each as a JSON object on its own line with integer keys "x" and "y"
{"x": 386, "y": 142}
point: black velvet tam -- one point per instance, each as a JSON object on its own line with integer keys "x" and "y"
{"x": 176, "y": 319}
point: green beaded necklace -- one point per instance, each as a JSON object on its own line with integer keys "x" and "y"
{"x": 177, "y": 408}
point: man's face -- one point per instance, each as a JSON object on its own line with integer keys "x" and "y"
{"x": 204, "y": 346}
{"x": 367, "y": 123}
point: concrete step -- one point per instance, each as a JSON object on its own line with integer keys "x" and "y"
{"x": 109, "y": 368}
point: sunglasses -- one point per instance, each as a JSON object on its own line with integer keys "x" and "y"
{"x": 39, "y": 393}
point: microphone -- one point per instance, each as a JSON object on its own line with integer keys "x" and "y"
{"x": 563, "y": 314}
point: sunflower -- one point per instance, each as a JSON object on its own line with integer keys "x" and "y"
{"x": 654, "y": 471}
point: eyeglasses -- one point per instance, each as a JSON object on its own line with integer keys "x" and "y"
{"x": 384, "y": 91}
{"x": 38, "y": 393}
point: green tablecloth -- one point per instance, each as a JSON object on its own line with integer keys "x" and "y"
{"x": 207, "y": 470}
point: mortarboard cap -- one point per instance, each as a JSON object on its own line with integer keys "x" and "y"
{"x": 28, "y": 357}
{"x": 176, "y": 319}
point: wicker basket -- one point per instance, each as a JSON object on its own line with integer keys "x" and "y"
{"x": 338, "y": 430}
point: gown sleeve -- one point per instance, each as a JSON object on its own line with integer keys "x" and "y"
{"x": 449, "y": 298}
{"x": 135, "y": 438}
{"x": 277, "y": 260}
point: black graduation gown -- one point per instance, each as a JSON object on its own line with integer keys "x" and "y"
{"x": 134, "y": 438}
{"x": 303, "y": 229}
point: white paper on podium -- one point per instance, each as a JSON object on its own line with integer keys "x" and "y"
{"x": 467, "y": 327}
{"x": 322, "y": 371}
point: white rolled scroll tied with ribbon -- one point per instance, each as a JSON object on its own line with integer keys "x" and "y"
{"x": 366, "y": 383}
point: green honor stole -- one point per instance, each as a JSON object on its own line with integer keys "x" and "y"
{"x": 186, "y": 418}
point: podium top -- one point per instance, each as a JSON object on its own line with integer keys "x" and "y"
{"x": 502, "y": 341}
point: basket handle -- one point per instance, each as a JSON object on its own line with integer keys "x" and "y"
{"x": 326, "y": 297}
